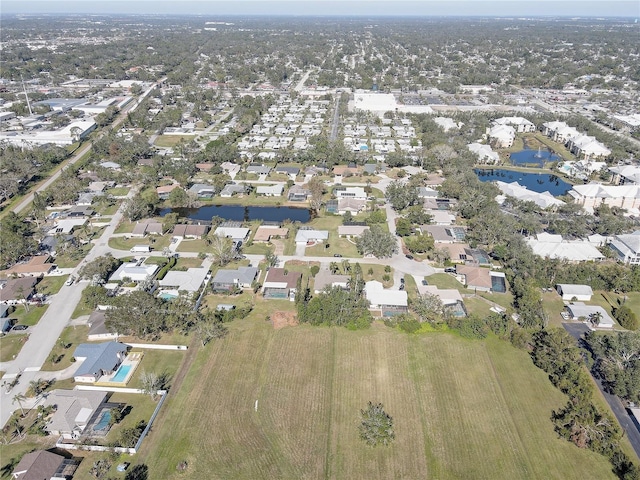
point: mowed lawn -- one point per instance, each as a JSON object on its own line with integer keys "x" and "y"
{"x": 462, "y": 409}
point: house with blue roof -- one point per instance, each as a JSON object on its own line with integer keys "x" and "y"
{"x": 98, "y": 359}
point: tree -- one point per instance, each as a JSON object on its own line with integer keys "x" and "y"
{"x": 377, "y": 242}
{"x": 317, "y": 188}
{"x": 419, "y": 243}
{"x": 403, "y": 227}
{"x": 139, "y": 313}
{"x": 429, "y": 308}
{"x": 100, "y": 268}
{"x": 151, "y": 382}
{"x": 19, "y": 398}
{"x": 100, "y": 468}
{"x": 400, "y": 195}
{"x": 626, "y": 317}
{"x": 376, "y": 426}
{"x": 138, "y": 472}
{"x": 222, "y": 249}
{"x": 210, "y": 330}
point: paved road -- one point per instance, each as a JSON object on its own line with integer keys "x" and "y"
{"x": 577, "y": 331}
{"x": 335, "y": 122}
{"x": 44, "y": 335}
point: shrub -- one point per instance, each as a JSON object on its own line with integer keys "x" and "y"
{"x": 626, "y": 318}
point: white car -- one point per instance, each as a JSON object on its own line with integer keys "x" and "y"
{"x": 69, "y": 281}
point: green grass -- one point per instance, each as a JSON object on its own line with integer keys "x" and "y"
{"x": 378, "y": 273}
{"x": 162, "y": 362}
{"x": 70, "y": 338}
{"x": 196, "y": 245}
{"x": 10, "y": 346}
{"x": 444, "y": 280}
{"x": 156, "y": 243}
{"x": 51, "y": 285}
{"x": 31, "y": 317}
{"x": 168, "y": 140}
{"x": 125, "y": 227}
{"x": 461, "y": 409}
{"x": 258, "y": 248}
{"x": 118, "y": 191}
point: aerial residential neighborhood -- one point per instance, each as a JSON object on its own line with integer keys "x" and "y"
{"x": 290, "y": 244}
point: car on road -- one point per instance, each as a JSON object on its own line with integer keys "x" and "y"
{"x": 337, "y": 255}
{"x": 424, "y": 282}
{"x": 401, "y": 286}
{"x": 70, "y": 281}
{"x": 409, "y": 256}
{"x": 402, "y": 280}
{"x": 19, "y": 328}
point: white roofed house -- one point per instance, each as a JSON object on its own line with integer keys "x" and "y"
{"x": 574, "y": 292}
{"x": 311, "y": 236}
{"x": 625, "y": 175}
{"x": 189, "y": 281}
{"x": 585, "y": 146}
{"x": 270, "y": 190}
{"x": 554, "y": 246}
{"x": 517, "y": 191}
{"x": 587, "y": 314}
{"x": 134, "y": 272}
{"x": 522, "y": 125}
{"x": 484, "y": 152}
{"x": 627, "y": 248}
{"x": 350, "y": 231}
{"x": 237, "y": 234}
{"x": 502, "y": 136}
{"x": 592, "y": 195}
{"x": 389, "y": 302}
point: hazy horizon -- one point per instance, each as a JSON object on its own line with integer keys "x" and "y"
{"x": 415, "y": 8}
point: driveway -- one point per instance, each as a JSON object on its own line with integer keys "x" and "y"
{"x": 577, "y": 330}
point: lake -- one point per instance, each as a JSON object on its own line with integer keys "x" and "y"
{"x": 538, "y": 182}
{"x": 242, "y": 214}
{"x": 538, "y": 157}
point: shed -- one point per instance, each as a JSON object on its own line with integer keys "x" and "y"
{"x": 571, "y": 291}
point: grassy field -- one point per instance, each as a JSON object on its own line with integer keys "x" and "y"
{"x": 168, "y": 140}
{"x": 461, "y": 409}
{"x": 156, "y": 243}
{"x": 31, "y": 317}
{"x": 11, "y": 345}
{"x": 63, "y": 350}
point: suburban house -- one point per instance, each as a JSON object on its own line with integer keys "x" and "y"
{"x": 307, "y": 237}
{"x": 389, "y": 302}
{"x": 98, "y": 359}
{"x": 147, "y": 228}
{"x": 134, "y": 271}
{"x": 190, "y": 280}
{"x": 585, "y": 146}
{"x": 450, "y": 297}
{"x": 351, "y": 231}
{"x": 74, "y": 411}
{"x": 522, "y": 125}
{"x": 517, "y": 191}
{"x": 293, "y": 171}
{"x": 259, "y": 169}
{"x": 481, "y": 279}
{"x": 202, "y": 190}
{"x": 97, "y": 327}
{"x": 585, "y": 313}
{"x": 165, "y": 190}
{"x": 350, "y": 192}
{"x": 280, "y": 283}
{"x": 227, "y": 280}
{"x": 183, "y": 230}
{"x": 42, "y": 464}
{"x": 559, "y": 131}
{"x": 265, "y": 233}
{"x": 298, "y": 193}
{"x": 324, "y": 278}
{"x": 233, "y": 189}
{"x": 36, "y": 267}
{"x": 17, "y": 290}
{"x": 441, "y": 217}
{"x": 237, "y": 234}
{"x": 353, "y": 205}
{"x": 79, "y": 211}
{"x": 444, "y": 234}
{"x": 574, "y": 292}
{"x": 67, "y": 226}
{"x": 627, "y": 248}
{"x": 270, "y": 190}
{"x": 625, "y": 175}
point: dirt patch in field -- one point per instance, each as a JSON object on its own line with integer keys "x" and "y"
{"x": 283, "y": 319}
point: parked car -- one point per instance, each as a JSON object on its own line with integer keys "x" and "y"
{"x": 424, "y": 282}
{"x": 402, "y": 280}
{"x": 450, "y": 270}
{"x": 337, "y": 255}
{"x": 409, "y": 256}
{"x": 70, "y": 281}
{"x": 19, "y": 328}
{"x": 401, "y": 286}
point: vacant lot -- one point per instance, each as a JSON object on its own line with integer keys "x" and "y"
{"x": 462, "y": 409}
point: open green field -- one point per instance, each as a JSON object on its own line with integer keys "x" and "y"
{"x": 462, "y": 409}
{"x": 10, "y": 346}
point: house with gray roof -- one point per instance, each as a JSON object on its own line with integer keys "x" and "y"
{"x": 98, "y": 329}
{"x": 572, "y": 291}
{"x": 202, "y": 190}
{"x": 288, "y": 170}
{"x": 259, "y": 169}
{"x": 98, "y": 359}
{"x": 42, "y": 464}
{"x": 627, "y": 248}
{"x": 74, "y": 411}
{"x": 233, "y": 189}
{"x": 227, "y": 280}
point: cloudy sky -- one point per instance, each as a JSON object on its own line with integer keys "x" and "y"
{"x": 581, "y": 8}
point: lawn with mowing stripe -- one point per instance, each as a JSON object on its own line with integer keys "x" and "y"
{"x": 461, "y": 409}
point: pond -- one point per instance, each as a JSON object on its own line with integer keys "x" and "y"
{"x": 535, "y": 157}
{"x": 538, "y": 182}
{"x": 242, "y": 213}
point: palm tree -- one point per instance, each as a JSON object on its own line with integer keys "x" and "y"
{"x": 19, "y": 398}
{"x": 595, "y": 318}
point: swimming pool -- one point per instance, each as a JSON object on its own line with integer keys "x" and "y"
{"x": 103, "y": 423}
{"x": 121, "y": 374}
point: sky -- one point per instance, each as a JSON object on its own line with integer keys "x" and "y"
{"x": 504, "y": 8}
